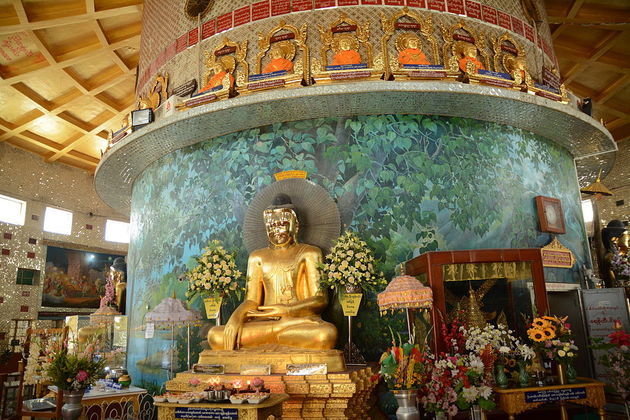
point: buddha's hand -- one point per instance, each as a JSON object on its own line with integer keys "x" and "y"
{"x": 232, "y": 332}
{"x": 270, "y": 311}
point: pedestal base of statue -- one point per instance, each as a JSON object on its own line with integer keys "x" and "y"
{"x": 278, "y": 357}
{"x": 340, "y": 395}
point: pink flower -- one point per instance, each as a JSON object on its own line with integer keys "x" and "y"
{"x": 194, "y": 382}
{"x": 82, "y": 376}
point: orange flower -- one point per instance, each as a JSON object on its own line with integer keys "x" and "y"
{"x": 549, "y": 333}
{"x": 536, "y": 334}
{"x": 540, "y": 323}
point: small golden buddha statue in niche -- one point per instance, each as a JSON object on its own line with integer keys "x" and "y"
{"x": 345, "y": 49}
{"x": 409, "y": 51}
{"x": 221, "y": 67}
{"x": 284, "y": 299}
{"x": 281, "y": 54}
{"x": 467, "y": 53}
{"x": 516, "y": 66}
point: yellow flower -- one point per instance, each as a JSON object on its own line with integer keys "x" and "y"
{"x": 549, "y": 333}
{"x": 535, "y": 334}
{"x": 540, "y": 323}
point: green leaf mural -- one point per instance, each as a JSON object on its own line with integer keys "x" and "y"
{"x": 407, "y": 183}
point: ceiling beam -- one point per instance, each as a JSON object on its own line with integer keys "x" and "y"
{"x": 69, "y": 20}
{"x": 602, "y": 46}
{"x": 612, "y": 89}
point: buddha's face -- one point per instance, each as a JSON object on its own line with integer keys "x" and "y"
{"x": 275, "y": 52}
{"x": 281, "y": 225}
{"x": 344, "y": 44}
{"x": 471, "y": 51}
{"x": 413, "y": 43}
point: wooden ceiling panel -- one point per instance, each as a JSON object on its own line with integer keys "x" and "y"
{"x": 597, "y": 77}
{"x": 68, "y": 41}
{"x": 13, "y": 105}
{"x": 100, "y": 5}
{"x": 129, "y": 55}
{"x": 51, "y": 127}
{"x": 40, "y": 10}
{"x": 51, "y": 87}
{"x": 8, "y": 15}
{"x": 93, "y": 147}
{"x": 86, "y": 109}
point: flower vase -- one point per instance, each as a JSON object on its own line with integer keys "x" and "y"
{"x": 523, "y": 376}
{"x": 571, "y": 373}
{"x": 441, "y": 415}
{"x": 477, "y": 413}
{"x": 501, "y": 378}
{"x": 407, "y": 406}
{"x": 72, "y": 407}
{"x": 562, "y": 373}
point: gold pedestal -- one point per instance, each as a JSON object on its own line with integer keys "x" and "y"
{"x": 340, "y": 395}
{"x": 275, "y": 356}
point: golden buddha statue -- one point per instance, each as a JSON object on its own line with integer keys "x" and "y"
{"x": 221, "y": 67}
{"x": 468, "y": 54}
{"x": 284, "y": 300}
{"x": 281, "y": 54}
{"x": 345, "y": 50}
{"x": 516, "y": 67}
{"x": 410, "y": 52}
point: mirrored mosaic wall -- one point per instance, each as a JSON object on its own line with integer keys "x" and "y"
{"x": 27, "y": 177}
{"x": 406, "y": 183}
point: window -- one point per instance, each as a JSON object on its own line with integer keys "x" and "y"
{"x": 12, "y": 210}
{"x": 116, "y": 231}
{"x": 58, "y": 221}
{"x": 587, "y": 211}
{"x": 27, "y": 277}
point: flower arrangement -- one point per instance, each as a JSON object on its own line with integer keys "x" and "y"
{"x": 215, "y": 273}
{"x": 620, "y": 265}
{"x": 74, "y": 371}
{"x": 404, "y": 366}
{"x": 500, "y": 340}
{"x": 350, "y": 264}
{"x": 615, "y": 355}
{"x": 457, "y": 382}
{"x": 553, "y": 338}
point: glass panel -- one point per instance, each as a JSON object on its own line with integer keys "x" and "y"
{"x": 490, "y": 293}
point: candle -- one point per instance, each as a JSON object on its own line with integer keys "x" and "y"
{"x": 617, "y": 325}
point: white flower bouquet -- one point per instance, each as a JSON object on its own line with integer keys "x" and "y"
{"x": 350, "y": 265}
{"x": 215, "y": 273}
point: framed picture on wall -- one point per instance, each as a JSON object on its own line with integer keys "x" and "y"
{"x": 550, "y": 214}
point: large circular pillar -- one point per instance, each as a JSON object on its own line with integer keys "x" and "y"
{"x": 415, "y": 165}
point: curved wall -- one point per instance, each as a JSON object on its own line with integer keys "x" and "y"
{"x": 407, "y": 183}
{"x": 174, "y": 44}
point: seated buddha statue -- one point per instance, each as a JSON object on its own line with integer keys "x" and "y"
{"x": 284, "y": 301}
{"x": 516, "y": 66}
{"x": 221, "y": 67}
{"x": 345, "y": 51}
{"x": 468, "y": 54}
{"x": 281, "y": 54}
{"x": 410, "y": 53}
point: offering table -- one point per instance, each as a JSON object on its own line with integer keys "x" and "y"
{"x": 110, "y": 403}
{"x": 585, "y": 391}
{"x": 212, "y": 411}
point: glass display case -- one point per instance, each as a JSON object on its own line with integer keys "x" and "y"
{"x": 109, "y": 334}
{"x": 489, "y": 286}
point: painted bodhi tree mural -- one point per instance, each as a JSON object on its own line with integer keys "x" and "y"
{"x": 407, "y": 183}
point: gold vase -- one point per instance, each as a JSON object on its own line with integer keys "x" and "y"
{"x": 562, "y": 374}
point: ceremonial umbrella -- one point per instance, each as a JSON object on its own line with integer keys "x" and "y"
{"x": 405, "y": 292}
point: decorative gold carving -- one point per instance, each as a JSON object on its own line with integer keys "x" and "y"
{"x": 554, "y": 254}
{"x": 455, "y": 50}
{"x": 348, "y": 42}
{"x": 425, "y": 28}
{"x": 216, "y": 63}
{"x": 510, "y": 62}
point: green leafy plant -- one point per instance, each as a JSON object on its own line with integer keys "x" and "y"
{"x": 75, "y": 371}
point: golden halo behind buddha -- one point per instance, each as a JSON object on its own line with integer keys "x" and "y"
{"x": 318, "y": 215}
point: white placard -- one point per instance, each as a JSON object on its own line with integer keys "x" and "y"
{"x": 149, "y": 330}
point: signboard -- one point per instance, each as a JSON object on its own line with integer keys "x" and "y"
{"x": 209, "y": 369}
{"x": 255, "y": 370}
{"x": 301, "y": 5}
{"x": 439, "y": 5}
{"x": 206, "y": 413}
{"x": 557, "y": 255}
{"x": 290, "y": 174}
{"x": 504, "y": 20}
{"x": 280, "y": 7}
{"x": 489, "y": 14}
{"x": 415, "y": 3}
{"x": 455, "y": 6}
{"x": 602, "y": 307}
{"x": 350, "y": 303}
{"x": 307, "y": 369}
{"x": 551, "y": 395}
{"x": 260, "y": 10}
{"x": 473, "y": 9}
{"x": 149, "y": 330}
{"x": 212, "y": 305}
{"x": 242, "y": 16}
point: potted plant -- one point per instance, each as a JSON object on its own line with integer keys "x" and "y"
{"x": 404, "y": 367}
{"x": 553, "y": 338}
{"x": 214, "y": 277}
{"x": 72, "y": 373}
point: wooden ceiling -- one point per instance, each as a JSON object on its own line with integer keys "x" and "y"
{"x": 592, "y": 42}
{"x": 67, "y": 69}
